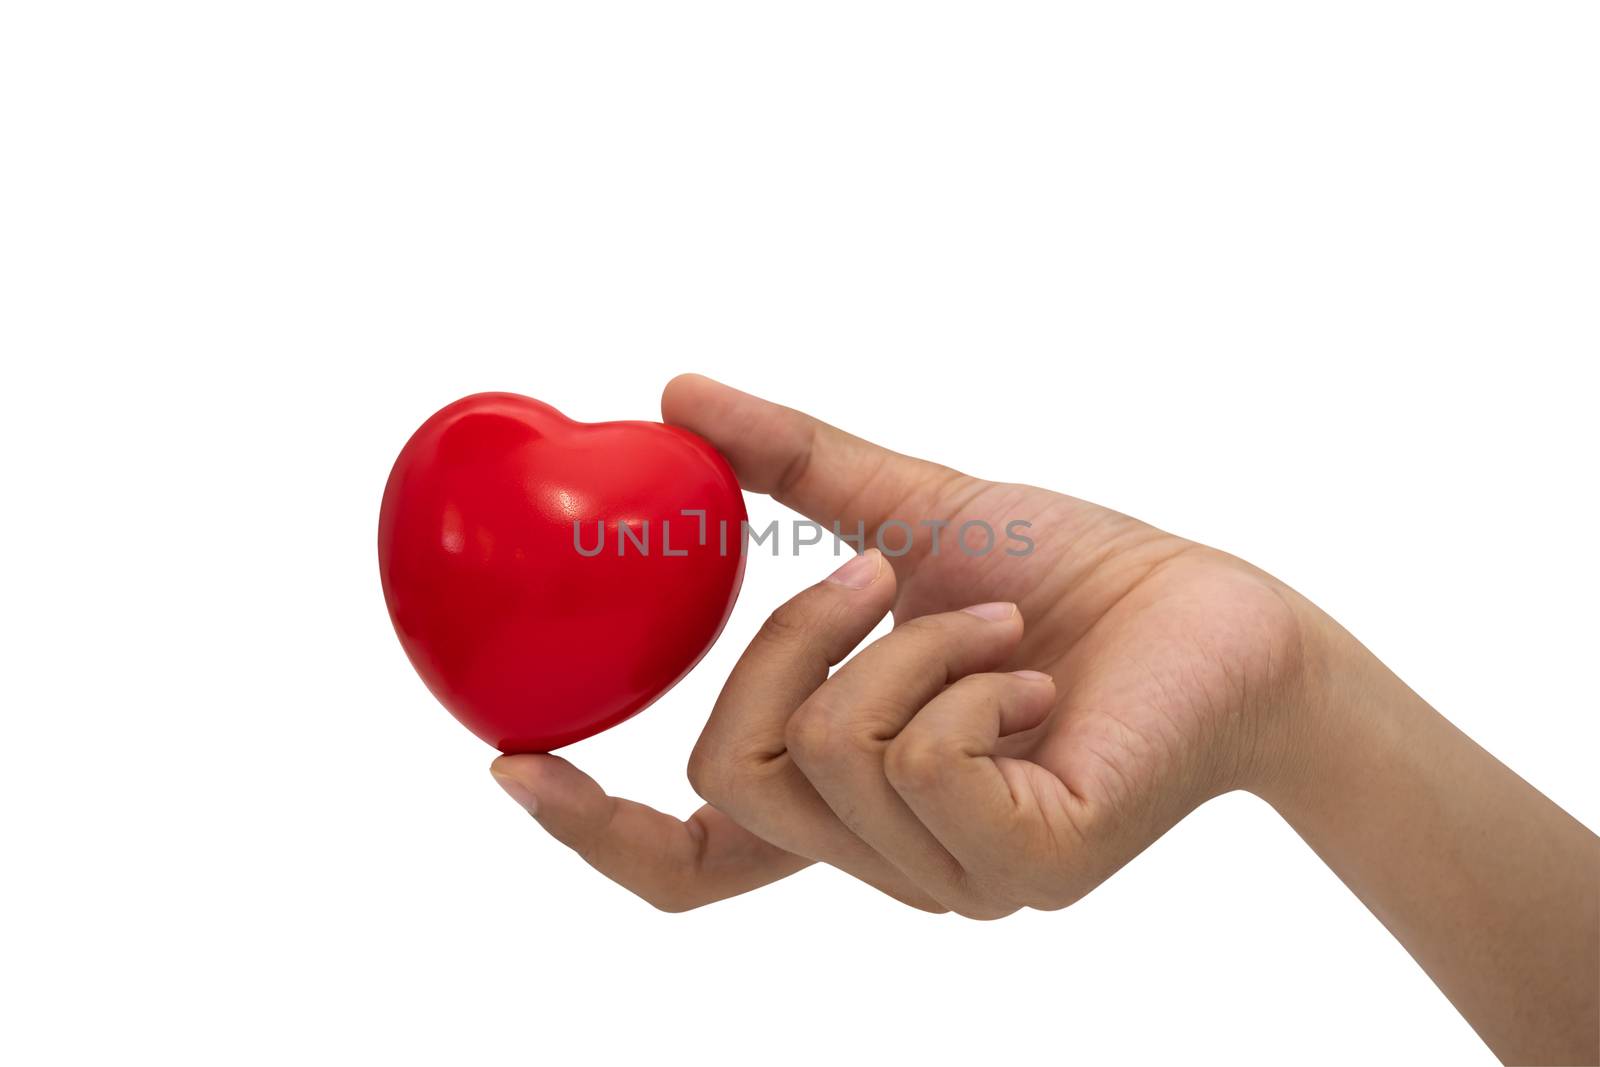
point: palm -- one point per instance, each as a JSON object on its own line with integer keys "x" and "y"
{"x": 1164, "y": 650}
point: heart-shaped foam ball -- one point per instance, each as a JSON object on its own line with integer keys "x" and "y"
{"x": 533, "y": 631}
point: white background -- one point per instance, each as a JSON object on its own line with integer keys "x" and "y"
{"x": 1318, "y": 287}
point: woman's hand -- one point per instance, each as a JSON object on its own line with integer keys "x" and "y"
{"x": 938, "y": 767}
{"x": 1166, "y": 670}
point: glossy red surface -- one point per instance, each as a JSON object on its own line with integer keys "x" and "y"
{"x": 531, "y": 644}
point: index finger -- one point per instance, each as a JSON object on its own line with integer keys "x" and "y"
{"x": 819, "y": 470}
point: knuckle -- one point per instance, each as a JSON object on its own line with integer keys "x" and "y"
{"x": 984, "y": 910}
{"x": 915, "y": 763}
{"x": 978, "y": 896}
{"x": 706, "y": 774}
{"x": 727, "y": 780}
{"x": 821, "y": 733}
{"x": 671, "y": 901}
{"x": 788, "y": 624}
{"x": 1050, "y": 902}
{"x": 1054, "y": 898}
{"x": 812, "y": 734}
{"x": 1053, "y": 886}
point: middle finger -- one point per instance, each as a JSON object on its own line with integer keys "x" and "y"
{"x": 839, "y": 736}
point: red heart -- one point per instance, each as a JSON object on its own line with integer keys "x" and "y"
{"x": 528, "y": 638}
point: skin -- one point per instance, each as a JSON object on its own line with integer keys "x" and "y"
{"x": 1034, "y": 722}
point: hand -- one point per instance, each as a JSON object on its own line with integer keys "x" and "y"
{"x": 937, "y": 767}
{"x": 1166, "y": 667}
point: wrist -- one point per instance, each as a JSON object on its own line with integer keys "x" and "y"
{"x": 1487, "y": 884}
{"x": 1341, "y": 710}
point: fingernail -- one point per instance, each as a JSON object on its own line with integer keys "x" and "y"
{"x": 518, "y": 792}
{"x": 1034, "y": 676}
{"x": 858, "y": 572}
{"x": 996, "y": 612}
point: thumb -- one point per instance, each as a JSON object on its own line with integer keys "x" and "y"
{"x": 671, "y": 863}
{"x": 822, "y": 472}
{"x": 567, "y": 802}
